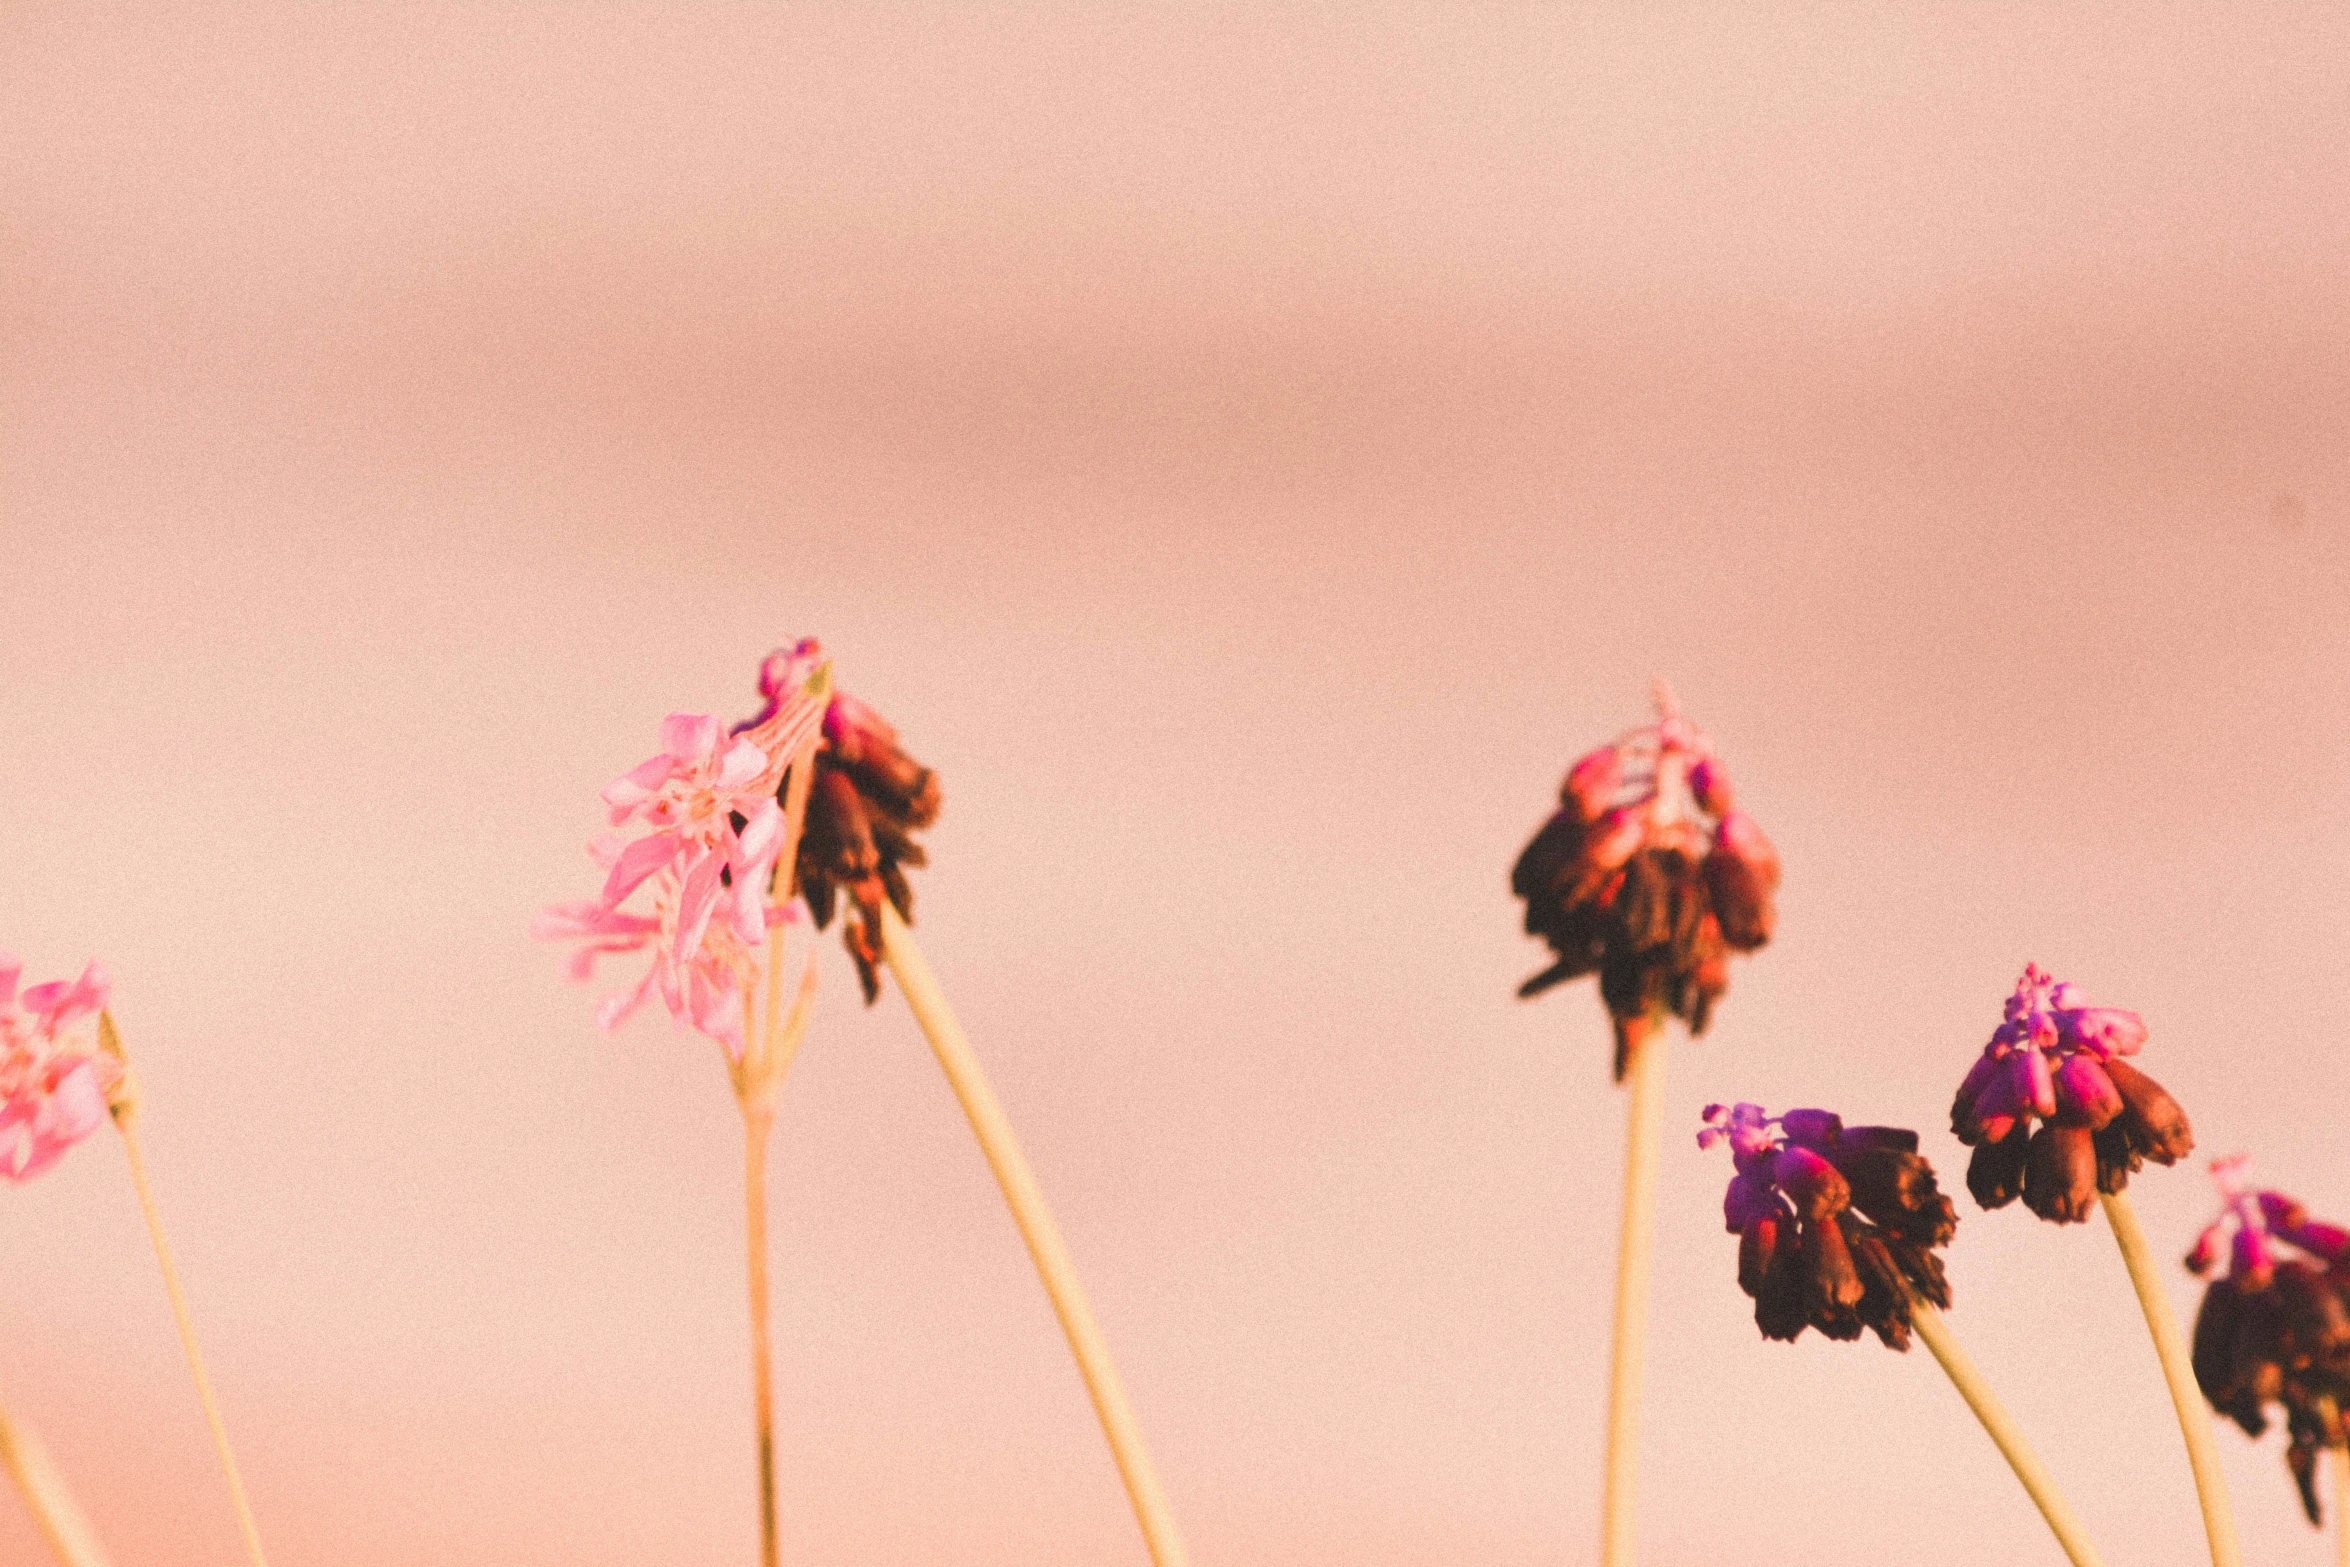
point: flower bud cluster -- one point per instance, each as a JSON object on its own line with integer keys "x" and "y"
{"x": 1649, "y": 877}
{"x": 1836, "y": 1225}
{"x": 2275, "y": 1326}
{"x": 2058, "y": 1062}
{"x": 866, "y": 802}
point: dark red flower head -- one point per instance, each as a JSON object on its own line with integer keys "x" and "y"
{"x": 866, "y": 802}
{"x": 1836, "y": 1225}
{"x": 1648, "y": 877}
{"x": 2101, "y": 1118}
{"x": 2275, "y": 1328}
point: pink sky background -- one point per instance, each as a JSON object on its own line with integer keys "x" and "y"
{"x": 1250, "y": 456}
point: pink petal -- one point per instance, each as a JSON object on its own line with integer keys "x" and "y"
{"x": 742, "y": 765}
{"x": 10, "y": 967}
{"x": 639, "y": 784}
{"x": 77, "y": 1106}
{"x": 695, "y": 900}
{"x": 691, "y": 737}
{"x": 616, "y": 1008}
{"x": 639, "y": 861}
{"x": 760, "y": 839}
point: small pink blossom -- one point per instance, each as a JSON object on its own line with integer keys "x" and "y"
{"x": 53, "y": 1086}
{"x": 713, "y": 828}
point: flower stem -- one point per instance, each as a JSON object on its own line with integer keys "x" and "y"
{"x": 55, "y": 1514}
{"x": 1045, "y": 1247}
{"x": 187, "y": 1329}
{"x": 2341, "y": 1504}
{"x": 756, "y": 1126}
{"x": 2038, "y": 1484}
{"x": 1635, "y": 1246}
{"x": 2211, "y": 1489}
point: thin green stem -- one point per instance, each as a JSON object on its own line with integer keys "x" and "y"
{"x": 2038, "y": 1483}
{"x": 56, "y": 1516}
{"x": 2211, "y": 1487}
{"x": 1045, "y": 1247}
{"x": 1635, "y": 1247}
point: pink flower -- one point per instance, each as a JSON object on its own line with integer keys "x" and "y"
{"x": 2057, "y": 1062}
{"x": 708, "y": 802}
{"x": 52, "y": 1087}
{"x": 1649, "y": 876}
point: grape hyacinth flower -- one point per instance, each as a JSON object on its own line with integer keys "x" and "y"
{"x": 1837, "y": 1225}
{"x": 2058, "y": 1061}
{"x": 1837, "y": 1229}
{"x": 867, "y": 801}
{"x": 2275, "y": 1326}
{"x": 1649, "y": 876}
{"x": 54, "y": 1082}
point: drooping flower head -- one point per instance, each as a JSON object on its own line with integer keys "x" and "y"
{"x": 53, "y": 1080}
{"x": 2054, "y": 1060}
{"x": 2275, "y": 1327}
{"x": 1837, "y": 1225}
{"x": 867, "y": 801}
{"x": 1648, "y": 876}
{"x": 704, "y": 860}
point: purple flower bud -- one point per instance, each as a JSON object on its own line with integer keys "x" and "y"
{"x": 1710, "y": 786}
{"x": 1591, "y": 783}
{"x": 2252, "y": 1260}
{"x": 1818, "y": 1191}
{"x": 2103, "y": 1031}
{"x": 2085, "y": 1095}
{"x": 1749, "y": 1197}
{"x": 1815, "y": 1129}
{"x": 2035, "y": 1089}
{"x": 2209, "y": 1246}
{"x": 2157, "y": 1126}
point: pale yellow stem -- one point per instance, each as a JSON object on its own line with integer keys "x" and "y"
{"x": 187, "y": 1329}
{"x": 55, "y": 1514}
{"x": 1635, "y": 1247}
{"x": 1045, "y": 1247}
{"x": 2038, "y": 1484}
{"x": 2341, "y": 1466}
{"x": 755, "y": 1129}
{"x": 2211, "y": 1488}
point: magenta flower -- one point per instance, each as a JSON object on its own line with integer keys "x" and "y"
{"x": 53, "y": 1086}
{"x": 1837, "y": 1225}
{"x": 2275, "y": 1327}
{"x": 2059, "y": 1062}
{"x": 706, "y": 864}
{"x": 1648, "y": 876}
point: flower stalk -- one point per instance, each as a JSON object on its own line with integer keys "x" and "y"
{"x": 1635, "y": 1249}
{"x": 2004, "y": 1434}
{"x": 123, "y": 1104}
{"x": 2170, "y": 1346}
{"x": 1038, "y": 1230}
{"x": 56, "y": 1516}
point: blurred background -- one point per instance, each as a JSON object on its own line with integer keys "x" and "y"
{"x": 1249, "y": 453}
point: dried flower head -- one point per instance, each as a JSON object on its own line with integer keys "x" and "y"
{"x": 705, "y": 863}
{"x": 2100, "y": 1118}
{"x": 2275, "y": 1327}
{"x": 1836, "y": 1225}
{"x": 866, "y": 802}
{"x": 53, "y": 1083}
{"x": 1649, "y": 877}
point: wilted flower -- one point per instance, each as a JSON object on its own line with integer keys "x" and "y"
{"x": 2101, "y": 1118}
{"x": 867, "y": 801}
{"x": 1649, "y": 877}
{"x": 1836, "y": 1224}
{"x": 53, "y": 1085}
{"x": 707, "y": 864}
{"x": 2276, "y": 1326}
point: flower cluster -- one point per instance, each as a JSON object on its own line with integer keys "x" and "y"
{"x": 2275, "y": 1327}
{"x": 2101, "y": 1118}
{"x": 1649, "y": 877}
{"x": 866, "y": 802}
{"x": 711, "y": 833}
{"x": 1836, "y": 1224}
{"x": 53, "y": 1084}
